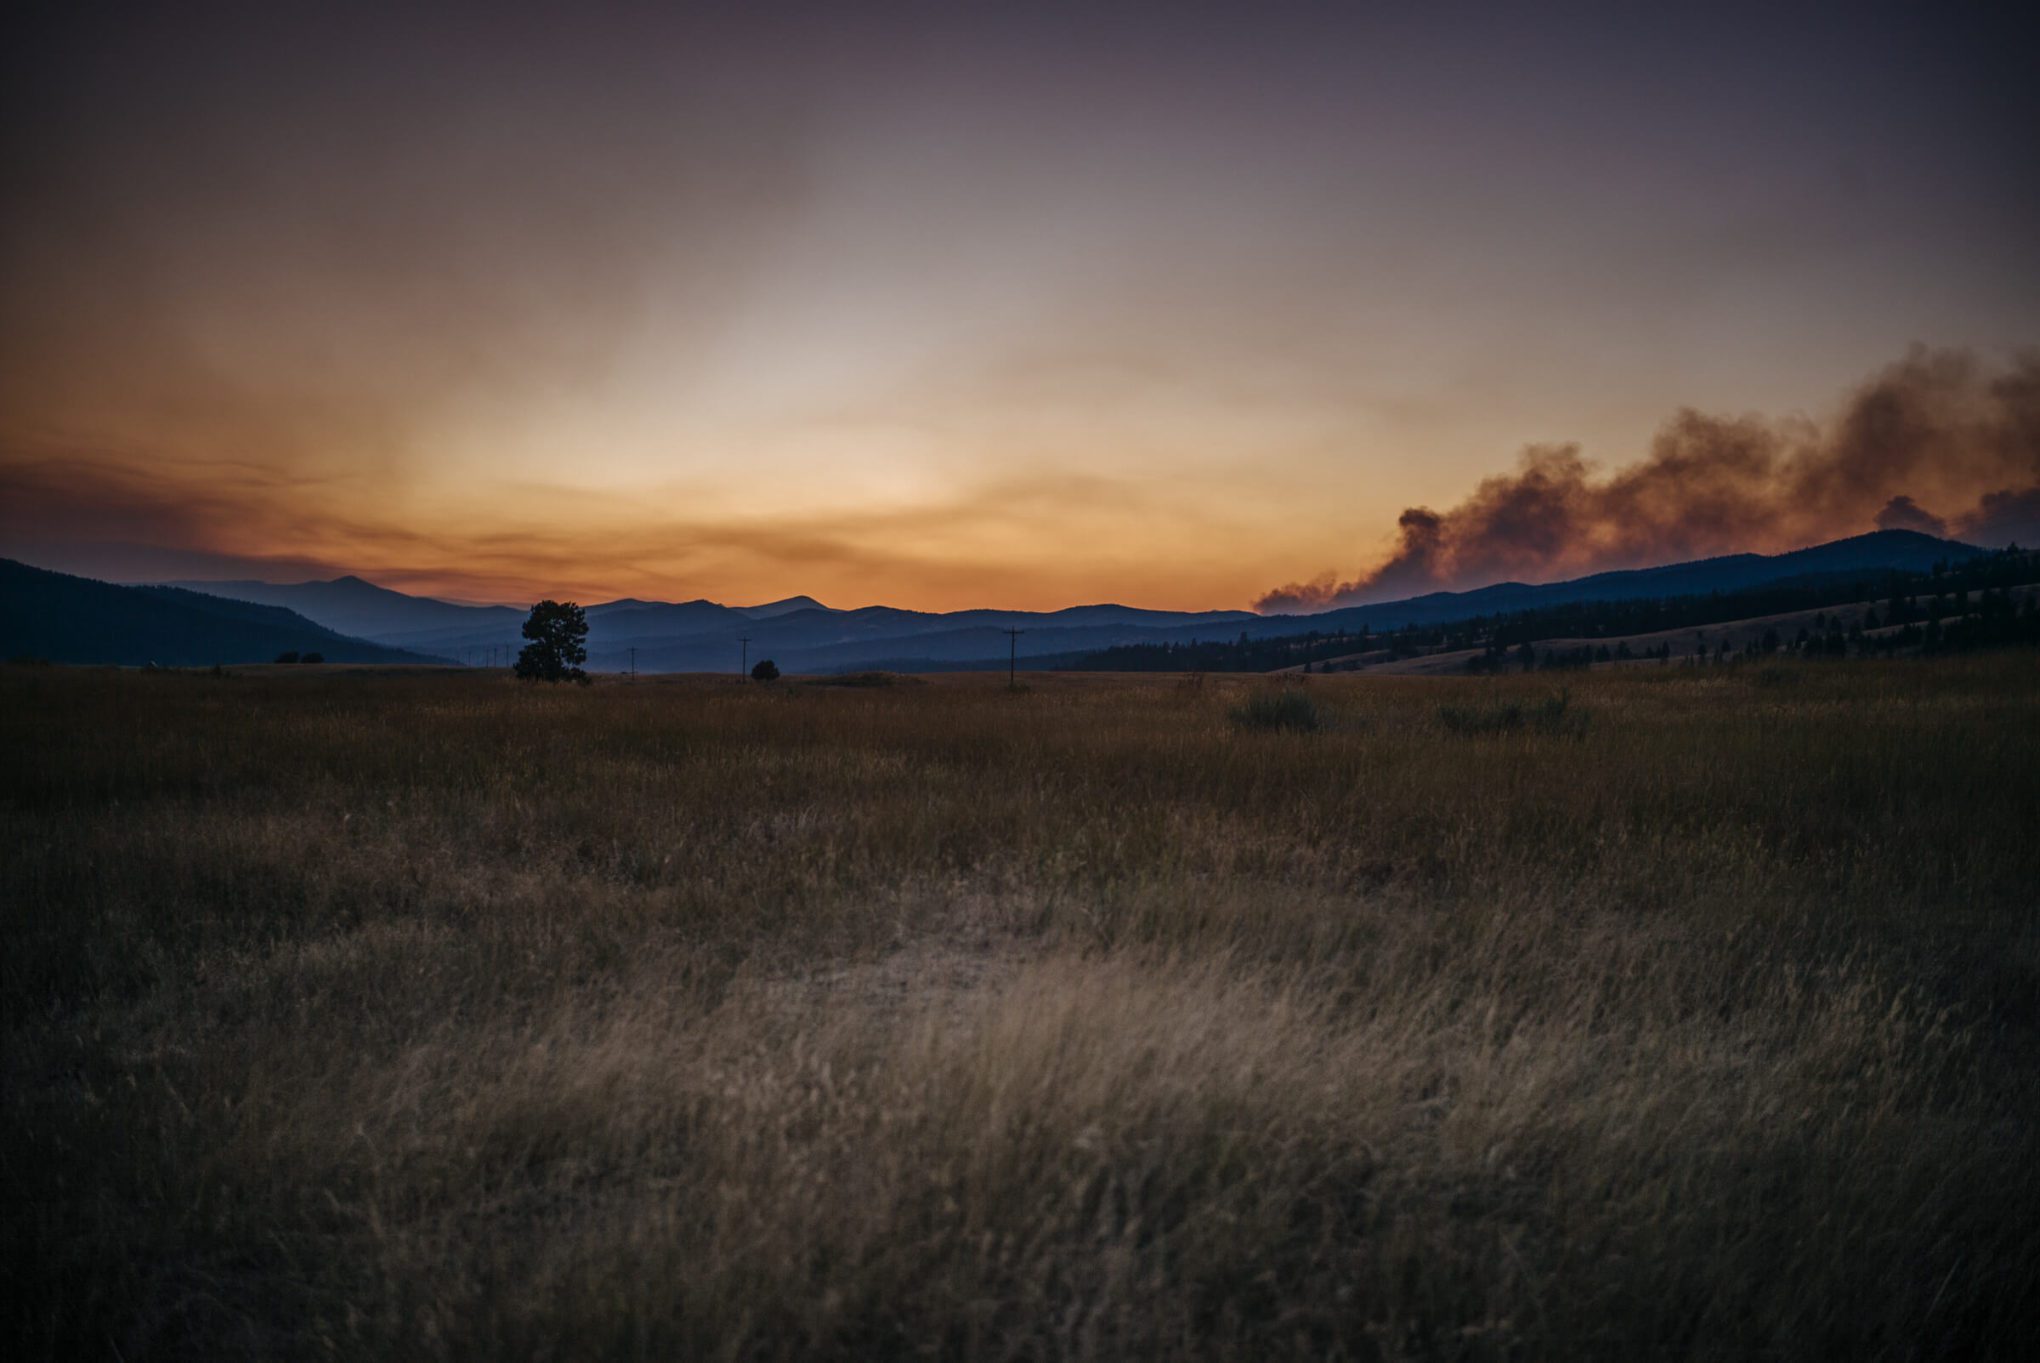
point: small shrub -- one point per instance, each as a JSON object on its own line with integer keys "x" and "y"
{"x": 1277, "y": 710}
{"x": 1555, "y": 714}
{"x": 1501, "y": 717}
{"x": 313, "y": 658}
{"x": 765, "y": 671}
{"x": 289, "y": 655}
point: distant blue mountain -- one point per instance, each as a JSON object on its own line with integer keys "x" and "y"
{"x": 706, "y": 635}
{"x": 802, "y": 635}
{"x": 782, "y": 607}
{"x": 356, "y": 607}
{"x": 69, "y": 619}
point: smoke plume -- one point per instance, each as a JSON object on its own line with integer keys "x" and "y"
{"x": 1940, "y": 442}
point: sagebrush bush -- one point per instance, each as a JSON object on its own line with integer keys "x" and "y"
{"x": 1286, "y": 709}
{"x": 1553, "y": 714}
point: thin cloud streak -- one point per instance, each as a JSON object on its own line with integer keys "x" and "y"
{"x": 79, "y": 513}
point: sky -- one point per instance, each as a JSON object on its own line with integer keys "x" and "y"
{"x": 1191, "y": 305}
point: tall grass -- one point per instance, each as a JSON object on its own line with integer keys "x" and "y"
{"x": 433, "y": 1016}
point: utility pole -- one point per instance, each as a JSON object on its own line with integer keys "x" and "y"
{"x": 633, "y": 662}
{"x": 744, "y": 659}
{"x": 1013, "y": 658}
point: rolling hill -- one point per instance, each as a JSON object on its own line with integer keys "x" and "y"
{"x": 67, "y": 619}
{"x": 1878, "y": 551}
{"x": 1980, "y": 601}
{"x": 363, "y": 610}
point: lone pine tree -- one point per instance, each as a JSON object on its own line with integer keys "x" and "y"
{"x": 558, "y": 632}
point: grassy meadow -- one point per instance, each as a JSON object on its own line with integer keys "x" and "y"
{"x": 429, "y": 1015}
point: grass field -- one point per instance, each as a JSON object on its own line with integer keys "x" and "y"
{"x": 430, "y": 1015}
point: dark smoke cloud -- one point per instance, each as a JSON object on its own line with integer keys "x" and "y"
{"x": 1903, "y": 513}
{"x": 1937, "y": 429}
{"x": 2005, "y": 517}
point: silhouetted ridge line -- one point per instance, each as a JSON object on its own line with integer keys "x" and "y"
{"x": 701, "y": 635}
{"x": 61, "y": 618}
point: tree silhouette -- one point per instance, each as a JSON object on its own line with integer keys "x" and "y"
{"x": 766, "y": 670}
{"x": 558, "y": 631}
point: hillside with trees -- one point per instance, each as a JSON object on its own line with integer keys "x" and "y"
{"x": 1970, "y": 604}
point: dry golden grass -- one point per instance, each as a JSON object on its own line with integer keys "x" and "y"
{"x": 431, "y": 1016}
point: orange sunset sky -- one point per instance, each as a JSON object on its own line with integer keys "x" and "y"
{"x": 962, "y": 306}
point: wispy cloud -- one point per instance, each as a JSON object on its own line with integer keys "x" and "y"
{"x": 147, "y": 521}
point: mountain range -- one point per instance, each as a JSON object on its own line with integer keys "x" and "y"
{"x": 799, "y": 632}
{"x": 350, "y": 619}
{"x": 61, "y": 618}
